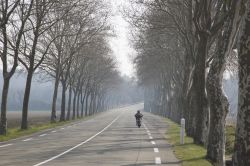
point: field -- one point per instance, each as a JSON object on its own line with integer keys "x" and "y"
{"x": 34, "y": 117}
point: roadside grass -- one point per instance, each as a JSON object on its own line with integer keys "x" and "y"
{"x": 230, "y": 138}
{"x": 189, "y": 153}
{"x": 16, "y": 132}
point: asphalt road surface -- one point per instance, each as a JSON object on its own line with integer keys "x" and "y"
{"x": 109, "y": 139}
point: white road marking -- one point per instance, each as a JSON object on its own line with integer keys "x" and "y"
{"x": 80, "y": 144}
{"x": 156, "y": 150}
{"x": 28, "y": 139}
{"x": 53, "y": 131}
{"x": 62, "y": 128}
{"x": 157, "y": 160}
{"x": 153, "y": 142}
{"x": 42, "y": 135}
{"x": 150, "y": 137}
{"x": 149, "y": 134}
{"x": 2, "y": 146}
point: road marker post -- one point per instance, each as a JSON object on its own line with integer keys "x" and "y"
{"x": 182, "y": 132}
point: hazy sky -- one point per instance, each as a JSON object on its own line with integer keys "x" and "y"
{"x": 120, "y": 44}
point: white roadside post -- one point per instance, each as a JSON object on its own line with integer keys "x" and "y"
{"x": 182, "y": 134}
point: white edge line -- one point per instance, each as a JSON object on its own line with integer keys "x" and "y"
{"x": 53, "y": 131}
{"x": 2, "y": 146}
{"x": 42, "y": 135}
{"x": 156, "y": 150}
{"x": 27, "y": 139}
{"x": 157, "y": 160}
{"x": 52, "y": 158}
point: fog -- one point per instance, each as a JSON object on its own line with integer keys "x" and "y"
{"x": 42, "y": 91}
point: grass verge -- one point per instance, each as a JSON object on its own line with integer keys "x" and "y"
{"x": 230, "y": 138}
{"x": 13, "y": 133}
{"x": 189, "y": 153}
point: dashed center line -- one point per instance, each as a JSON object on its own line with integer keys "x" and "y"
{"x": 53, "y": 131}
{"x": 42, "y": 135}
{"x": 157, "y": 160}
{"x": 156, "y": 150}
{"x": 29, "y": 139}
{"x": 2, "y": 146}
{"x": 62, "y": 128}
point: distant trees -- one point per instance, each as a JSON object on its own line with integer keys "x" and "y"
{"x": 78, "y": 34}
{"x": 182, "y": 51}
{"x": 68, "y": 40}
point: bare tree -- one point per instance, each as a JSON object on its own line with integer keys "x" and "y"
{"x": 13, "y": 18}
{"x": 36, "y": 44}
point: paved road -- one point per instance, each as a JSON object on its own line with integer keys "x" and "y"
{"x": 109, "y": 139}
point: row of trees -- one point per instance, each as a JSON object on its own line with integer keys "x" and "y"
{"x": 183, "y": 49}
{"x": 67, "y": 40}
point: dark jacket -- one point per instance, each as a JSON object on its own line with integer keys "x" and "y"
{"x": 138, "y": 115}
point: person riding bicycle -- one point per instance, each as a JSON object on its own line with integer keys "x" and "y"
{"x": 138, "y": 117}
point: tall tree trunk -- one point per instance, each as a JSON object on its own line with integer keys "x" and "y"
{"x": 24, "y": 124}
{"x": 200, "y": 97}
{"x": 82, "y": 103}
{"x": 63, "y": 102}
{"x": 74, "y": 104}
{"x": 186, "y": 111}
{"x": 217, "y": 99}
{"x": 69, "y": 103}
{"x": 94, "y": 104}
{"x": 98, "y": 105}
{"x": 91, "y": 104}
{"x": 53, "y": 110}
{"x": 78, "y": 105}
{"x": 3, "y": 122}
{"x": 218, "y": 109}
{"x": 103, "y": 104}
{"x": 242, "y": 143}
{"x": 86, "y": 104}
